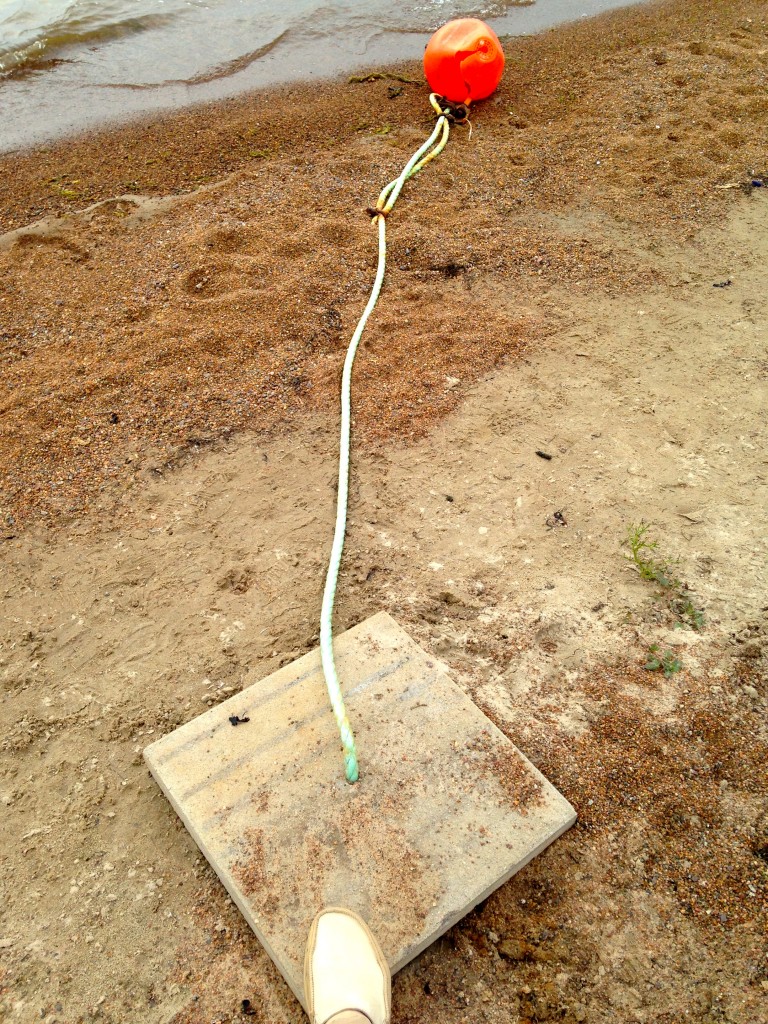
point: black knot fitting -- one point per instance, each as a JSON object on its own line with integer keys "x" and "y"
{"x": 457, "y": 113}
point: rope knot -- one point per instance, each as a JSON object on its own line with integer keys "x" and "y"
{"x": 456, "y": 113}
{"x": 373, "y": 212}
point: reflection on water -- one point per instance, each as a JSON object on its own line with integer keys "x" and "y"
{"x": 66, "y": 65}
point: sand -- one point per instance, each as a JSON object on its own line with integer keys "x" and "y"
{"x": 167, "y": 448}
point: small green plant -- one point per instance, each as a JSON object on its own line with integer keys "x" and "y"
{"x": 644, "y": 555}
{"x": 687, "y": 613}
{"x": 666, "y": 662}
{"x": 64, "y": 189}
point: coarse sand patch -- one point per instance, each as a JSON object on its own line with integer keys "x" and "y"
{"x": 127, "y": 342}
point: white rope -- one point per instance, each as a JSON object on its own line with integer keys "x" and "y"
{"x": 386, "y": 201}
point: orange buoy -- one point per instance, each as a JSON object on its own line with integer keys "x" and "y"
{"x": 464, "y": 60}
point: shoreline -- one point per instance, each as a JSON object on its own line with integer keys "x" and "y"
{"x": 224, "y": 135}
{"x": 77, "y": 89}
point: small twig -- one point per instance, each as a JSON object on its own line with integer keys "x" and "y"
{"x": 377, "y": 76}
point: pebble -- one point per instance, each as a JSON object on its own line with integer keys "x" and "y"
{"x": 752, "y": 649}
{"x": 515, "y": 950}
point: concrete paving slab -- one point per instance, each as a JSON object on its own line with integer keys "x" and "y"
{"x": 446, "y": 809}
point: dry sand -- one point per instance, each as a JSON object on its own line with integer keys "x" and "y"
{"x": 167, "y": 465}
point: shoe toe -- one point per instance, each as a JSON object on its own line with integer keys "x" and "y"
{"x": 345, "y": 969}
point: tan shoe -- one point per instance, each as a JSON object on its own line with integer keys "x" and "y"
{"x": 345, "y": 970}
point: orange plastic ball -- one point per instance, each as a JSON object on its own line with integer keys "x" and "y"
{"x": 464, "y": 60}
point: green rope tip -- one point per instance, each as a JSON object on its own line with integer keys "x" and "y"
{"x": 389, "y": 194}
{"x": 351, "y": 770}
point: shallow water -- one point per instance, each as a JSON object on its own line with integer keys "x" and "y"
{"x": 67, "y": 65}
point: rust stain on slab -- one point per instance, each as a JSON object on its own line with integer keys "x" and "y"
{"x": 446, "y": 809}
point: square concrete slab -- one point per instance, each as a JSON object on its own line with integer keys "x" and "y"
{"x": 446, "y": 809}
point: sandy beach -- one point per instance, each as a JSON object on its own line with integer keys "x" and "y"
{"x": 583, "y": 276}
